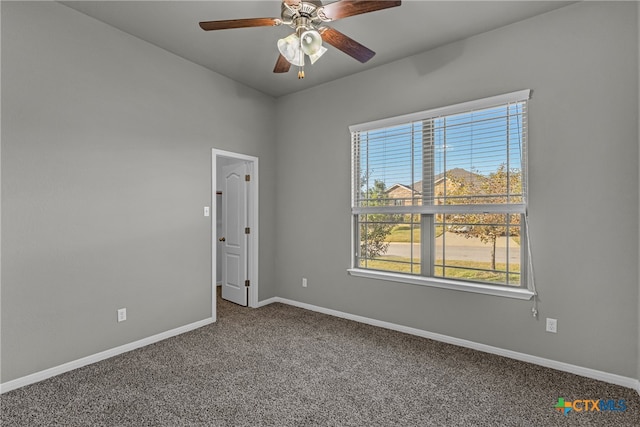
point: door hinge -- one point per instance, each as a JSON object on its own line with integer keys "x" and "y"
{"x": 247, "y": 283}
{"x": 247, "y": 230}
{"x": 247, "y": 178}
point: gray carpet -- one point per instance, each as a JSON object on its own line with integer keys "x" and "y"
{"x": 284, "y": 366}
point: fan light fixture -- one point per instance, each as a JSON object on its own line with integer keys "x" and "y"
{"x": 294, "y": 47}
{"x": 307, "y": 18}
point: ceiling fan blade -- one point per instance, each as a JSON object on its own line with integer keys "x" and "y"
{"x": 240, "y": 23}
{"x": 346, "y": 44}
{"x": 282, "y": 65}
{"x": 345, "y": 8}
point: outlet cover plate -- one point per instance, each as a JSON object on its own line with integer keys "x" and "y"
{"x": 552, "y": 325}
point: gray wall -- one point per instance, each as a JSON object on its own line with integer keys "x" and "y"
{"x": 582, "y": 64}
{"x": 106, "y": 165}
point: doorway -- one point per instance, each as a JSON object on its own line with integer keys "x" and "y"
{"x": 234, "y": 237}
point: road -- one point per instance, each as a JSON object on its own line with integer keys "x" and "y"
{"x": 457, "y": 247}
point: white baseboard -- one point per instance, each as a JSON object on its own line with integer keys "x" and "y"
{"x": 79, "y": 363}
{"x": 270, "y": 301}
{"x": 561, "y": 366}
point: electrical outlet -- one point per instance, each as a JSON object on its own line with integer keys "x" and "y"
{"x": 122, "y": 314}
{"x": 304, "y": 282}
{"x": 552, "y": 325}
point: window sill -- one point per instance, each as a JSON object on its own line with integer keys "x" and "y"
{"x": 478, "y": 288}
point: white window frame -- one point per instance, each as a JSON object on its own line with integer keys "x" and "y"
{"x": 523, "y": 293}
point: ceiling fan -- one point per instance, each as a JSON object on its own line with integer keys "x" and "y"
{"x": 307, "y": 18}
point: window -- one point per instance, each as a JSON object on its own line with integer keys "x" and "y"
{"x": 439, "y": 197}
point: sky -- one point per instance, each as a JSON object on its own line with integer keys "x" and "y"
{"x": 475, "y": 141}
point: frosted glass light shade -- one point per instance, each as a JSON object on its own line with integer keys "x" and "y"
{"x": 317, "y": 55}
{"x": 310, "y": 42}
{"x": 289, "y": 47}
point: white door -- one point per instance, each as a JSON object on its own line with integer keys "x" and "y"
{"x": 234, "y": 239}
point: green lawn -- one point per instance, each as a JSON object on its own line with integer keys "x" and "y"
{"x": 392, "y": 263}
{"x": 464, "y": 272}
{"x": 402, "y": 234}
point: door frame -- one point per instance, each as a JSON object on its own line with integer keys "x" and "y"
{"x": 253, "y": 218}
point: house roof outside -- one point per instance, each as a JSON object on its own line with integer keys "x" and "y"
{"x": 457, "y": 173}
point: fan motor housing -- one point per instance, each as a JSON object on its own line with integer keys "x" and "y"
{"x": 305, "y": 9}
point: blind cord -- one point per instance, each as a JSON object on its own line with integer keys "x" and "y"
{"x": 534, "y": 309}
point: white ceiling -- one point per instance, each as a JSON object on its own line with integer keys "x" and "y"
{"x": 248, "y": 55}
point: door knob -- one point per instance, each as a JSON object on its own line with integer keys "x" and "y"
{"x": 222, "y": 239}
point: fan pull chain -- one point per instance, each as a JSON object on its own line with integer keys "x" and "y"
{"x": 301, "y": 68}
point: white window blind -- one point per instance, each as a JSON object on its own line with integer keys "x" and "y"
{"x": 473, "y": 141}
